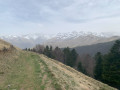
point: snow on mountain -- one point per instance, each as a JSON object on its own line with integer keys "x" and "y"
{"x": 75, "y": 34}
{"x": 61, "y": 39}
{"x": 74, "y": 39}
{"x": 28, "y": 36}
{"x": 67, "y": 35}
{"x": 26, "y": 41}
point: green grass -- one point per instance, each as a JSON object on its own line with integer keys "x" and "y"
{"x": 50, "y": 75}
{"x": 21, "y": 73}
{"x": 30, "y": 71}
{"x": 23, "y": 70}
{"x": 27, "y": 73}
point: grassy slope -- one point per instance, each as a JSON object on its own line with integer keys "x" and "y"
{"x": 3, "y": 44}
{"x": 30, "y": 71}
{"x": 26, "y": 72}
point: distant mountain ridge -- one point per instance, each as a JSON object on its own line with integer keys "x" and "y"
{"x": 26, "y": 41}
{"x": 75, "y": 34}
{"x": 71, "y": 39}
{"x": 75, "y": 39}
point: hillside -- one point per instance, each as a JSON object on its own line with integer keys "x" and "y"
{"x": 3, "y": 44}
{"x": 93, "y": 49}
{"x": 21, "y": 70}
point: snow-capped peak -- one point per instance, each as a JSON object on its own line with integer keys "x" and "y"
{"x": 28, "y": 36}
{"x": 75, "y": 34}
{"x": 62, "y": 36}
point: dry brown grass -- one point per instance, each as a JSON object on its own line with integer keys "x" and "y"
{"x": 70, "y": 79}
{"x": 3, "y": 44}
{"x": 30, "y": 71}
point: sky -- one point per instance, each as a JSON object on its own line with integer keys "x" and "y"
{"x": 55, "y": 16}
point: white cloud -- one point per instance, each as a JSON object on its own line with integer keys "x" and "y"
{"x": 59, "y": 15}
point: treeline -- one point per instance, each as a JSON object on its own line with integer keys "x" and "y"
{"x": 67, "y": 56}
{"x": 107, "y": 67}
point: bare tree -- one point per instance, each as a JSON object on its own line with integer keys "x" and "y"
{"x": 59, "y": 55}
{"x": 39, "y": 48}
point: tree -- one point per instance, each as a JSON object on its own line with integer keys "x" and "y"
{"x": 39, "y": 48}
{"x": 116, "y": 48}
{"x": 70, "y": 56}
{"x": 80, "y": 68}
{"x": 29, "y": 49}
{"x": 48, "y": 52}
{"x": 50, "y": 48}
{"x": 73, "y": 57}
{"x": 98, "y": 67}
{"x": 66, "y": 55}
{"x": 111, "y": 66}
{"x": 59, "y": 55}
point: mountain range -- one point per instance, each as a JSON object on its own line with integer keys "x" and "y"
{"x": 25, "y": 41}
{"x": 70, "y": 39}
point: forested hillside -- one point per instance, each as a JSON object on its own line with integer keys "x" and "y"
{"x": 108, "y": 66}
{"x": 101, "y": 66}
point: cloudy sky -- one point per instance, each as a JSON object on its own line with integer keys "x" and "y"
{"x": 54, "y": 16}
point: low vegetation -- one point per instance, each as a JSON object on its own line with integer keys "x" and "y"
{"x": 24, "y": 70}
{"x": 102, "y": 71}
{"x": 67, "y": 56}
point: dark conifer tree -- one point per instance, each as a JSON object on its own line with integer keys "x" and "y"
{"x": 66, "y": 55}
{"x": 80, "y": 68}
{"x": 98, "y": 67}
{"x": 70, "y": 56}
{"x": 73, "y": 57}
{"x": 48, "y": 52}
{"x": 111, "y": 66}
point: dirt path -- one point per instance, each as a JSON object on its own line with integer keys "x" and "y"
{"x": 28, "y": 72}
{"x": 31, "y": 71}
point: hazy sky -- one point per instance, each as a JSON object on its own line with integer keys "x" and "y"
{"x": 53, "y": 16}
